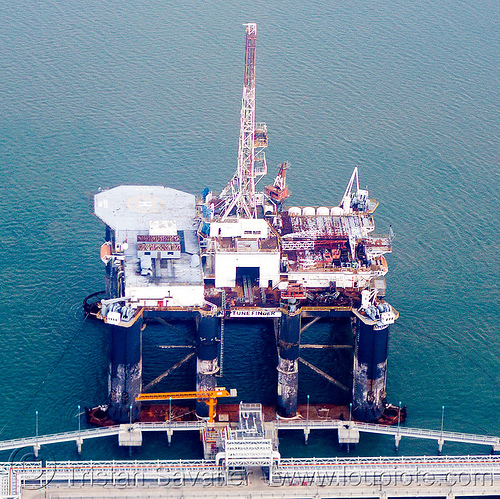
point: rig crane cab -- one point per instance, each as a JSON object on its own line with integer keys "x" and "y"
{"x": 278, "y": 192}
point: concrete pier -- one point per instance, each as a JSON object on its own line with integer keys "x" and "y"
{"x": 412, "y": 476}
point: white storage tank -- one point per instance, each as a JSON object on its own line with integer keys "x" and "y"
{"x": 336, "y": 211}
{"x": 309, "y": 211}
{"x": 294, "y": 211}
{"x": 323, "y": 211}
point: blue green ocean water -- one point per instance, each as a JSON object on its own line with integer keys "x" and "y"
{"x": 98, "y": 94}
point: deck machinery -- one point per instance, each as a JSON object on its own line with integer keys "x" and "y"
{"x": 242, "y": 254}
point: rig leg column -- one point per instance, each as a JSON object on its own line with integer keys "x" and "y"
{"x": 288, "y": 364}
{"x": 125, "y": 371}
{"x": 370, "y": 371}
{"x": 207, "y": 362}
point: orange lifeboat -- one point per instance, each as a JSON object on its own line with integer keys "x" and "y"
{"x": 106, "y": 252}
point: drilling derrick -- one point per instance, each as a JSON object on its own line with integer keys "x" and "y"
{"x": 239, "y": 195}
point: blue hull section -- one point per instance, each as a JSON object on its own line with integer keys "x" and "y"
{"x": 125, "y": 371}
{"x": 207, "y": 362}
{"x": 288, "y": 369}
{"x": 370, "y": 372}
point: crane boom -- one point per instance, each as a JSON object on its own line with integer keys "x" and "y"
{"x": 218, "y": 392}
{"x": 209, "y": 395}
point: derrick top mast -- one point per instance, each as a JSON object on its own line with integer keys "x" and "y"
{"x": 239, "y": 195}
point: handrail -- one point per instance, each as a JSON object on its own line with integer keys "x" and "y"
{"x": 334, "y": 424}
{"x": 390, "y": 460}
{"x": 392, "y": 430}
{"x": 97, "y": 433}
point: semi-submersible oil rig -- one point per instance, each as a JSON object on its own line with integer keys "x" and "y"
{"x": 238, "y": 255}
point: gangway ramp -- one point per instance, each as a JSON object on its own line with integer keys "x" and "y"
{"x": 396, "y": 431}
{"x": 79, "y": 435}
{"x": 306, "y": 426}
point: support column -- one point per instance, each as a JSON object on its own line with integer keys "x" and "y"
{"x": 397, "y": 439}
{"x": 125, "y": 352}
{"x": 207, "y": 362}
{"x": 170, "y": 433}
{"x": 125, "y": 370}
{"x": 440, "y": 445}
{"x": 79, "y": 442}
{"x": 370, "y": 371}
{"x": 306, "y": 434}
{"x": 288, "y": 366}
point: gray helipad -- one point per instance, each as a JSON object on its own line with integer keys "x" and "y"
{"x": 130, "y": 208}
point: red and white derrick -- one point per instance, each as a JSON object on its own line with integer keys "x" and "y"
{"x": 239, "y": 195}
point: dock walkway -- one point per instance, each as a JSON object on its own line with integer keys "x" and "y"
{"x": 79, "y": 435}
{"x": 347, "y": 431}
{"x": 396, "y": 431}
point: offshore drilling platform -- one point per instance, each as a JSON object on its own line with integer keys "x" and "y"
{"x": 241, "y": 254}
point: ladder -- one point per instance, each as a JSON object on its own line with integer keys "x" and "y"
{"x": 221, "y": 359}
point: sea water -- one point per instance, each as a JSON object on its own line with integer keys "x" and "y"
{"x": 99, "y": 94}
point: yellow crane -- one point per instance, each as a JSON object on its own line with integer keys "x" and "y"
{"x": 209, "y": 396}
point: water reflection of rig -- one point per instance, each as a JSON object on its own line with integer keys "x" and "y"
{"x": 240, "y": 255}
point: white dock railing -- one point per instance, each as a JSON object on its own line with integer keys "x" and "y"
{"x": 106, "y": 431}
{"x": 401, "y": 431}
{"x": 305, "y": 425}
